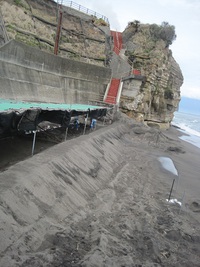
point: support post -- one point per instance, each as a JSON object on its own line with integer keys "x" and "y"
{"x": 34, "y": 138}
{"x": 171, "y": 190}
{"x": 85, "y": 123}
{"x": 66, "y": 133}
{"x": 58, "y": 32}
{"x": 104, "y": 119}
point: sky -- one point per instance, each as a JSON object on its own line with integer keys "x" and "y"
{"x": 183, "y": 14}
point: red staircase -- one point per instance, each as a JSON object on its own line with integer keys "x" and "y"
{"x": 111, "y": 97}
{"x": 117, "y": 39}
{"x": 136, "y": 72}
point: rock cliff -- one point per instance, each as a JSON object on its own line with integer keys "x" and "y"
{"x": 152, "y": 99}
{"x": 35, "y": 23}
{"x": 147, "y": 47}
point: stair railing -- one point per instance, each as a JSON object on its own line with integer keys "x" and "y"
{"x": 85, "y": 10}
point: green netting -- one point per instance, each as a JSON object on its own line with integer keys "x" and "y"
{"x": 6, "y": 105}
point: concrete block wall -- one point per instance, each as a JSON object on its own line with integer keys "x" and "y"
{"x": 120, "y": 67}
{"x": 30, "y": 74}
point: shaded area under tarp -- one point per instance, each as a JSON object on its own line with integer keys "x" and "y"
{"x": 22, "y": 117}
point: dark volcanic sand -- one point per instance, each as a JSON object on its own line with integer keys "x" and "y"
{"x": 100, "y": 200}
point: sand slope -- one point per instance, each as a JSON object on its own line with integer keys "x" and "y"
{"x": 100, "y": 200}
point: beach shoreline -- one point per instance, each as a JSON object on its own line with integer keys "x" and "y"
{"x": 100, "y": 200}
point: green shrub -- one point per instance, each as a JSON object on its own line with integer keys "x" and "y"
{"x": 17, "y": 2}
{"x": 165, "y": 31}
{"x": 100, "y": 22}
{"x": 135, "y": 24}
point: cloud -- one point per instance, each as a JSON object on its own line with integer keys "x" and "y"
{"x": 107, "y": 10}
{"x": 184, "y": 4}
{"x": 190, "y": 91}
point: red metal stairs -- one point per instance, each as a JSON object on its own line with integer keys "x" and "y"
{"x": 117, "y": 39}
{"x": 111, "y": 97}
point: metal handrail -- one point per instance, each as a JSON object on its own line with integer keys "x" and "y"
{"x": 128, "y": 61}
{"x": 85, "y": 10}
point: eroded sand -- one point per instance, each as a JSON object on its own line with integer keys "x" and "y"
{"x": 100, "y": 200}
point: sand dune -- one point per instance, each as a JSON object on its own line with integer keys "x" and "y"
{"x": 100, "y": 200}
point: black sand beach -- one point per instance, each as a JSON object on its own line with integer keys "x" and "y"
{"x": 100, "y": 200}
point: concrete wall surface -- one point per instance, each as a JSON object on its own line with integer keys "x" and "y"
{"x": 28, "y": 73}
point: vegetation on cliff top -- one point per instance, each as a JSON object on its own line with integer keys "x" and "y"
{"x": 165, "y": 31}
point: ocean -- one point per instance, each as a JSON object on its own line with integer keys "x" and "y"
{"x": 189, "y": 124}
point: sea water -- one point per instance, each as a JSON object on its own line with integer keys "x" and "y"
{"x": 189, "y": 124}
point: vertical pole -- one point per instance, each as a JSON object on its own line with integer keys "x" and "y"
{"x": 66, "y": 131}
{"x": 58, "y": 32}
{"x": 85, "y": 123}
{"x": 33, "y": 146}
{"x": 171, "y": 190}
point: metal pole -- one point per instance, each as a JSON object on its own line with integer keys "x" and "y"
{"x": 171, "y": 190}
{"x": 104, "y": 118}
{"x": 33, "y": 146}
{"x": 58, "y": 32}
{"x": 85, "y": 124}
{"x": 66, "y": 133}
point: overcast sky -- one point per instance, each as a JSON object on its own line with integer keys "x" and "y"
{"x": 183, "y": 14}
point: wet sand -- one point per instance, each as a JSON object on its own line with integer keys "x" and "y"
{"x": 100, "y": 200}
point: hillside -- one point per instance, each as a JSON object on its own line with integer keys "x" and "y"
{"x": 35, "y": 22}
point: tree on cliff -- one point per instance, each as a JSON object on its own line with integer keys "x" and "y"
{"x": 165, "y": 31}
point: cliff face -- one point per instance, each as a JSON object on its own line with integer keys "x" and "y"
{"x": 86, "y": 38}
{"x": 159, "y": 95}
{"x": 34, "y": 22}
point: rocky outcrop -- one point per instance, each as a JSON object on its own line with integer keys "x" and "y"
{"x": 159, "y": 94}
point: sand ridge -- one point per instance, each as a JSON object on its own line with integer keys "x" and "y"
{"x": 100, "y": 200}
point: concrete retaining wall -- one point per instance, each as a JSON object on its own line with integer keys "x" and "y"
{"x": 28, "y": 73}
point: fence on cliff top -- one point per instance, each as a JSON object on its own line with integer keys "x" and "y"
{"x": 83, "y": 9}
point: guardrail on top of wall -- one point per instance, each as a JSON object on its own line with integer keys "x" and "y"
{"x": 84, "y": 10}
